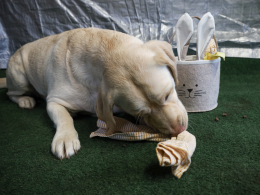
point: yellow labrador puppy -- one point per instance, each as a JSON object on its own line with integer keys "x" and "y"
{"x": 97, "y": 71}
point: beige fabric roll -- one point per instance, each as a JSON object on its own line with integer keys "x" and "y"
{"x": 175, "y": 152}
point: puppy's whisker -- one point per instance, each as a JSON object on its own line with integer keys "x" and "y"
{"x": 192, "y": 124}
{"x": 189, "y": 126}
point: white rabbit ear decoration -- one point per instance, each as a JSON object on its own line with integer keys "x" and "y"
{"x": 206, "y": 28}
{"x": 184, "y": 31}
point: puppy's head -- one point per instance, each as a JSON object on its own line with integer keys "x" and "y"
{"x": 144, "y": 86}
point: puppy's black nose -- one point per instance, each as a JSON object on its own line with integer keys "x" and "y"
{"x": 189, "y": 90}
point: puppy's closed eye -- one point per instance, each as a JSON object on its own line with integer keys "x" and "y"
{"x": 166, "y": 98}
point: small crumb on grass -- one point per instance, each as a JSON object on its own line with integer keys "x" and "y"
{"x": 216, "y": 119}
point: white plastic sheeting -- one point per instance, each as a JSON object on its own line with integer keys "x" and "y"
{"x": 237, "y": 21}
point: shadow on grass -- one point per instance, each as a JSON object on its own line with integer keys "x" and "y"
{"x": 155, "y": 171}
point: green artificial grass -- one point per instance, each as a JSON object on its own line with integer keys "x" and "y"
{"x": 226, "y": 160}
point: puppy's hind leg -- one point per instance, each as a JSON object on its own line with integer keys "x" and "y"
{"x": 65, "y": 142}
{"x": 18, "y": 85}
{"x": 23, "y": 101}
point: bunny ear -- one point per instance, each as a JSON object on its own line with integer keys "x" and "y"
{"x": 184, "y": 31}
{"x": 206, "y": 28}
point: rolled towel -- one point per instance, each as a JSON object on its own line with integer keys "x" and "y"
{"x": 175, "y": 152}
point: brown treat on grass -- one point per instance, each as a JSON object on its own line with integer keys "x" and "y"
{"x": 216, "y": 119}
{"x": 245, "y": 116}
{"x": 224, "y": 114}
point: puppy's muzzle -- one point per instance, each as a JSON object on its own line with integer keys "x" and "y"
{"x": 177, "y": 130}
{"x": 180, "y": 127}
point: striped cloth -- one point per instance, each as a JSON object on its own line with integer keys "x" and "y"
{"x": 175, "y": 152}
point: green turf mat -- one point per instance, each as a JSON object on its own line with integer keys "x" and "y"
{"x": 226, "y": 160}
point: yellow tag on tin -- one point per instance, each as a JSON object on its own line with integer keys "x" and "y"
{"x": 210, "y": 56}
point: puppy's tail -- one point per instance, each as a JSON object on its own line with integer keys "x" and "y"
{"x": 3, "y": 83}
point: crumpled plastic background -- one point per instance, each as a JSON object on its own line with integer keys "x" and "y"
{"x": 237, "y": 21}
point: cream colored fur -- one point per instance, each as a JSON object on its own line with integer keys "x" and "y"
{"x": 73, "y": 69}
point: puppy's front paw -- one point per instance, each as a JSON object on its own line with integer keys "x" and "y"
{"x": 64, "y": 145}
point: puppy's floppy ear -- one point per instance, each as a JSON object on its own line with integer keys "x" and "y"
{"x": 165, "y": 56}
{"x": 104, "y": 108}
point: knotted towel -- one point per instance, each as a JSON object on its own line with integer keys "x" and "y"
{"x": 175, "y": 152}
